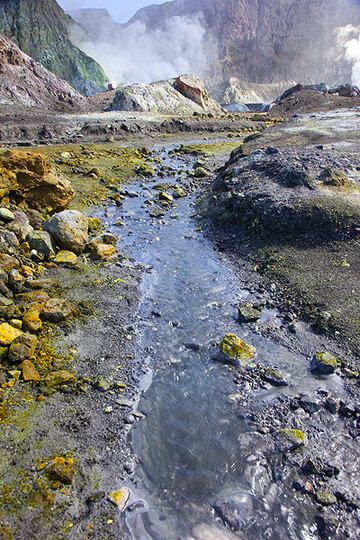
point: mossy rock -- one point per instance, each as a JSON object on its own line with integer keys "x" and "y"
{"x": 94, "y": 225}
{"x": 249, "y": 313}
{"x": 326, "y": 498}
{"x": 67, "y": 259}
{"x": 120, "y": 498}
{"x": 324, "y": 363}
{"x": 60, "y": 469}
{"x": 201, "y": 172}
{"x": 287, "y": 440}
{"x": 274, "y": 377}
{"x": 235, "y": 349}
{"x": 8, "y": 334}
{"x": 165, "y": 197}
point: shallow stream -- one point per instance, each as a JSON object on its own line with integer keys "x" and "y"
{"x": 193, "y": 444}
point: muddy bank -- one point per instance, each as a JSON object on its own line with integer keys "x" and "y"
{"x": 29, "y": 127}
{"x": 293, "y": 193}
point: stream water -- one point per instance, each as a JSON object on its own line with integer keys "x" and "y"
{"x": 193, "y": 445}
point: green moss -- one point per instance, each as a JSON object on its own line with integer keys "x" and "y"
{"x": 295, "y": 435}
{"x": 210, "y": 149}
{"x": 113, "y": 164}
{"x": 234, "y": 348}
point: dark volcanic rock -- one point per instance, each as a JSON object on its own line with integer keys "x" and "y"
{"x": 235, "y": 509}
{"x": 283, "y": 193}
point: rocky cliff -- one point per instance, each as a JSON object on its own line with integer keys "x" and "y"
{"x": 264, "y": 41}
{"x": 26, "y": 82}
{"x": 42, "y": 30}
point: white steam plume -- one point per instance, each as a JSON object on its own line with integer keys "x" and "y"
{"x": 349, "y": 38}
{"x": 136, "y": 54}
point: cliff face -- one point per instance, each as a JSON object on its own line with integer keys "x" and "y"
{"x": 26, "y": 82}
{"x": 42, "y": 30}
{"x": 267, "y": 40}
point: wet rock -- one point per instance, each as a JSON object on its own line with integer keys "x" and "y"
{"x": 233, "y": 348}
{"x": 58, "y": 379}
{"x": 179, "y": 192}
{"x": 94, "y": 225}
{"x": 32, "y": 321}
{"x": 326, "y": 526}
{"x": 10, "y": 238}
{"x": 56, "y": 310}
{"x": 42, "y": 242}
{"x": 101, "y": 251}
{"x": 20, "y": 225}
{"x": 16, "y": 281}
{"x": 274, "y": 377}
{"x": 211, "y": 532}
{"x": 109, "y": 238}
{"x": 8, "y": 334}
{"x": 22, "y": 348}
{"x": 70, "y": 230}
{"x": 324, "y": 363}
{"x": 8, "y": 263}
{"x": 102, "y": 384}
{"x": 29, "y": 372}
{"x": 326, "y": 498}
{"x": 165, "y": 197}
{"x": 6, "y": 215}
{"x": 120, "y": 498}
{"x": 287, "y": 440}
{"x": 234, "y": 509}
{"x": 249, "y": 312}
{"x": 157, "y": 212}
{"x": 309, "y": 405}
{"x": 201, "y": 172}
{"x": 67, "y": 259}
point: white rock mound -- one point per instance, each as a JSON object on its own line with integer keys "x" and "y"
{"x": 184, "y": 95}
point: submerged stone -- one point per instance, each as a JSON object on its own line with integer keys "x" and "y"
{"x": 61, "y": 469}
{"x": 235, "y": 509}
{"x": 249, "y": 312}
{"x": 234, "y": 348}
{"x": 324, "y": 363}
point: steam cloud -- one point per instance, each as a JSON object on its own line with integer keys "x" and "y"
{"x": 349, "y": 38}
{"x": 136, "y": 54}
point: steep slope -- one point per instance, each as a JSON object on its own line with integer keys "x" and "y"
{"x": 266, "y": 41}
{"x": 42, "y": 30}
{"x": 26, "y": 82}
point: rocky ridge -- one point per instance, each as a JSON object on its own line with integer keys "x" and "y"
{"x": 25, "y": 82}
{"x": 42, "y": 30}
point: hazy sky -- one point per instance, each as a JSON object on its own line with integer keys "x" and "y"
{"x": 121, "y": 10}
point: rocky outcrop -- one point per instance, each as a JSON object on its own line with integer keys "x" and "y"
{"x": 287, "y": 192}
{"x": 42, "y": 30}
{"x": 28, "y": 177}
{"x": 26, "y": 82}
{"x": 237, "y": 91}
{"x": 183, "y": 96}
